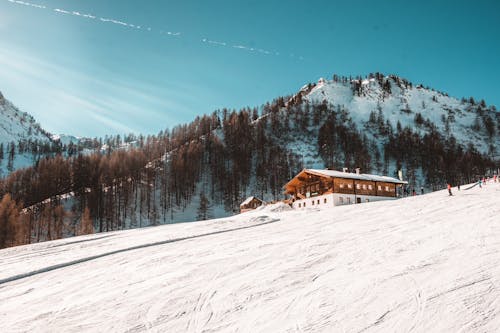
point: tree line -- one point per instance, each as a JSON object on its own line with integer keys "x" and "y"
{"x": 217, "y": 160}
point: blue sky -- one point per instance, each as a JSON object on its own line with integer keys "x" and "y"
{"x": 92, "y": 76}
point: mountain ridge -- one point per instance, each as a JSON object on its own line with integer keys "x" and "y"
{"x": 204, "y": 169}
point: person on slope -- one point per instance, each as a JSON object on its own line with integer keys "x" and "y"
{"x": 449, "y": 189}
{"x": 479, "y": 182}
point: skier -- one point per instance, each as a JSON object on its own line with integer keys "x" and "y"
{"x": 422, "y": 190}
{"x": 479, "y": 182}
{"x": 458, "y": 187}
{"x": 449, "y": 189}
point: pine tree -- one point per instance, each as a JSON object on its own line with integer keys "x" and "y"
{"x": 12, "y": 153}
{"x": 9, "y": 222}
{"x": 86, "y": 224}
{"x": 58, "y": 215}
{"x": 203, "y": 209}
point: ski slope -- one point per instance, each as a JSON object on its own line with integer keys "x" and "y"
{"x": 423, "y": 264}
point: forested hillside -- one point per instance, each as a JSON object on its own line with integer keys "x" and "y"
{"x": 204, "y": 169}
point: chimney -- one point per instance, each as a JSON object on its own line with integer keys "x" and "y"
{"x": 358, "y": 171}
{"x": 345, "y": 170}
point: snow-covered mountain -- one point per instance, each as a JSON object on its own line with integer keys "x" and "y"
{"x": 396, "y": 100}
{"x": 23, "y": 141}
{"x": 17, "y": 127}
{"x": 205, "y": 169}
{"x": 421, "y": 264}
{"x": 66, "y": 139}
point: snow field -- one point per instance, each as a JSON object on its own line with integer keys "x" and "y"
{"x": 424, "y": 264}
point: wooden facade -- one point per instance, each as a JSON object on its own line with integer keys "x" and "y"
{"x": 311, "y": 183}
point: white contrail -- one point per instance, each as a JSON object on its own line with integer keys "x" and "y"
{"x": 62, "y": 11}
{"x": 84, "y": 15}
{"x": 169, "y": 33}
{"x": 149, "y": 29}
{"x": 213, "y": 42}
{"x": 27, "y": 4}
{"x": 241, "y": 47}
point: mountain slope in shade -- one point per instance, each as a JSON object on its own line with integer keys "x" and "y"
{"x": 16, "y": 125}
{"x": 425, "y": 263}
{"x": 19, "y": 128}
{"x": 31, "y": 141}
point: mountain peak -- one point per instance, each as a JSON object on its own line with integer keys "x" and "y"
{"x": 396, "y": 100}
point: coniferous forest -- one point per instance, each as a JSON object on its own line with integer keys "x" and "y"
{"x": 217, "y": 160}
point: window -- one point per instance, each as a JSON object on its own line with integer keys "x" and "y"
{"x": 380, "y": 188}
{"x": 341, "y": 185}
{"x": 324, "y": 200}
{"x": 304, "y": 205}
{"x": 364, "y": 186}
{"x": 349, "y": 185}
{"x": 387, "y": 188}
{"x": 341, "y": 200}
{"x": 358, "y": 186}
{"x": 367, "y": 200}
{"x": 300, "y": 205}
{"x": 348, "y": 201}
{"x": 370, "y": 187}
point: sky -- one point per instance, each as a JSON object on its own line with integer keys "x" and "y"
{"x": 93, "y": 67}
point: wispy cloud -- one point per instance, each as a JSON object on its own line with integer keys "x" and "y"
{"x": 112, "y": 105}
{"x": 146, "y": 28}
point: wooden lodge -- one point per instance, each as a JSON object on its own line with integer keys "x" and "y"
{"x": 313, "y": 188}
{"x": 250, "y": 204}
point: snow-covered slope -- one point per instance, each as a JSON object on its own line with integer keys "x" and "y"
{"x": 31, "y": 141}
{"x": 16, "y": 127}
{"x": 66, "y": 139}
{"x": 398, "y": 100}
{"x": 421, "y": 264}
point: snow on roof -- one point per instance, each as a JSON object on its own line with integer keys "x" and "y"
{"x": 248, "y": 200}
{"x": 350, "y": 175}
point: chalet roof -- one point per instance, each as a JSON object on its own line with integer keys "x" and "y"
{"x": 350, "y": 175}
{"x": 341, "y": 174}
{"x": 248, "y": 200}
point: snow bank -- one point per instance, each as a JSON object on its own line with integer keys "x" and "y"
{"x": 277, "y": 207}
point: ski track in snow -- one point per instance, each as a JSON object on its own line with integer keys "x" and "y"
{"x": 420, "y": 264}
